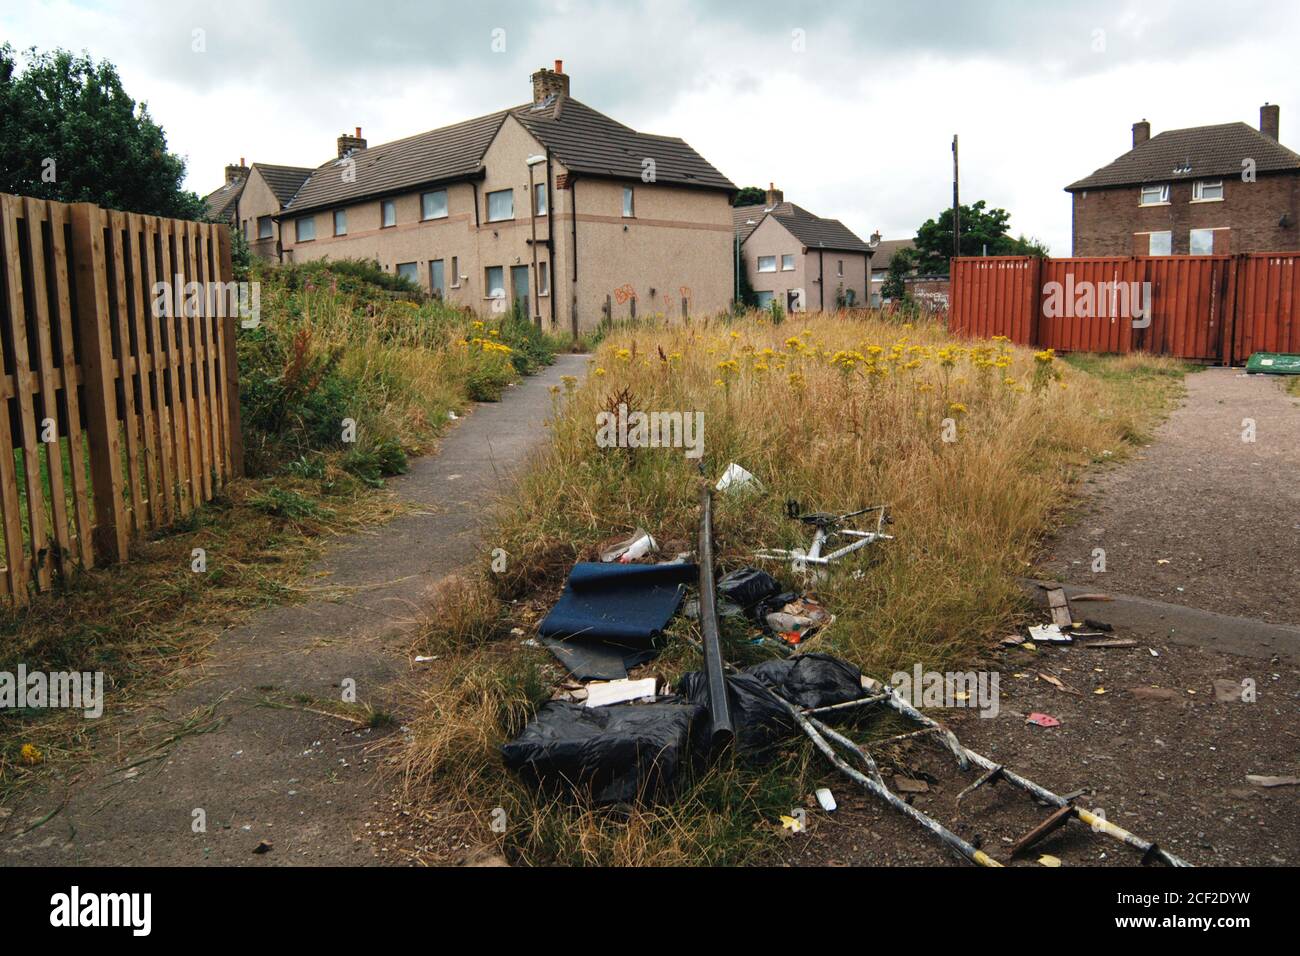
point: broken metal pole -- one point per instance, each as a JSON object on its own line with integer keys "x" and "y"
{"x": 722, "y": 731}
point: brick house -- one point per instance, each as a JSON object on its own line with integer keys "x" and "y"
{"x": 551, "y": 205}
{"x": 1228, "y": 188}
{"x": 798, "y": 259}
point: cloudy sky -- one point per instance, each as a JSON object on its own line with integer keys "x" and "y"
{"x": 849, "y": 107}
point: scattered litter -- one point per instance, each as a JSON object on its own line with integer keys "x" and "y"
{"x": 452, "y": 416}
{"x": 1013, "y": 640}
{"x": 1042, "y": 720}
{"x": 1058, "y": 683}
{"x": 737, "y": 477}
{"x": 1059, "y": 607}
{"x": 1260, "y": 780}
{"x": 1099, "y": 691}
{"x": 1092, "y": 597}
{"x": 793, "y": 824}
{"x": 424, "y": 659}
{"x": 1048, "y": 860}
{"x": 1097, "y": 625}
{"x": 1049, "y": 634}
{"x": 1154, "y": 652}
{"x": 1115, "y": 643}
{"x": 630, "y": 549}
{"x": 263, "y": 846}
{"x": 826, "y": 800}
{"x": 619, "y": 691}
{"x": 829, "y": 528}
{"x": 1162, "y": 560}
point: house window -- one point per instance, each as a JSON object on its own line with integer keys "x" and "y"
{"x": 1207, "y": 190}
{"x": 764, "y": 299}
{"x": 434, "y": 205}
{"x": 629, "y": 209}
{"x": 839, "y": 268}
{"x": 494, "y": 286}
{"x": 1201, "y": 242}
{"x": 455, "y": 272}
{"x": 409, "y": 270}
{"x": 1154, "y": 195}
{"x": 501, "y": 205}
{"x": 340, "y": 222}
{"x": 787, "y": 263}
{"x": 304, "y": 229}
{"x": 1162, "y": 244}
{"x": 767, "y": 263}
{"x": 539, "y": 199}
{"x": 543, "y": 278}
{"x": 387, "y": 213}
{"x": 264, "y": 227}
{"x": 437, "y": 277}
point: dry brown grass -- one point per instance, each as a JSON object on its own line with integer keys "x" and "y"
{"x": 837, "y": 413}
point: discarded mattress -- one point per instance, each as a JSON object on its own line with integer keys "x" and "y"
{"x": 621, "y": 752}
{"x": 609, "y": 616}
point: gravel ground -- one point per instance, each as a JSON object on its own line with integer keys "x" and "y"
{"x": 1201, "y": 517}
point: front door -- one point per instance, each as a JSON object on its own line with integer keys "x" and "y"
{"x": 519, "y": 289}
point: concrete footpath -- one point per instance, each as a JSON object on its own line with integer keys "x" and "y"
{"x": 239, "y": 749}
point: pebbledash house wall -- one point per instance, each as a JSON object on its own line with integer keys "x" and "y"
{"x": 1247, "y": 219}
{"x": 255, "y": 201}
{"x": 770, "y": 238}
{"x": 678, "y": 241}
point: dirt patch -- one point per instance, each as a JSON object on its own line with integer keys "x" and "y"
{"x": 1200, "y": 517}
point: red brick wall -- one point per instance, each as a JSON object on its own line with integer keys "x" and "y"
{"x": 1105, "y": 220}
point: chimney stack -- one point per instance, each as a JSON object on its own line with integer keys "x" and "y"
{"x": 350, "y": 144}
{"x": 1268, "y": 120}
{"x": 1141, "y": 132}
{"x": 550, "y": 82}
{"x": 774, "y": 195}
{"x": 235, "y": 173}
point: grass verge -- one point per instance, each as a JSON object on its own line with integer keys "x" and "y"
{"x": 975, "y": 447}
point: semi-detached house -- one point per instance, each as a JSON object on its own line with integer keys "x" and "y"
{"x": 551, "y": 205}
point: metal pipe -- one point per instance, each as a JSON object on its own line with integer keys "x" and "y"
{"x": 723, "y": 731}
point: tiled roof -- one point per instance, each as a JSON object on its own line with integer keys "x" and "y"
{"x": 886, "y": 250}
{"x": 582, "y": 139}
{"x": 1193, "y": 153}
{"x": 440, "y": 154}
{"x": 284, "y": 181}
{"x": 745, "y": 219}
{"x": 587, "y": 141}
{"x": 221, "y": 202}
{"x": 813, "y": 231}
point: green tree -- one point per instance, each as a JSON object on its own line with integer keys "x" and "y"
{"x": 982, "y": 231}
{"x": 68, "y": 131}
{"x": 900, "y": 266}
{"x": 750, "y": 196}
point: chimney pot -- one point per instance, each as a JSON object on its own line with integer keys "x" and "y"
{"x": 350, "y": 144}
{"x": 1141, "y": 132}
{"x": 774, "y": 195}
{"x": 559, "y": 66}
{"x": 1268, "y": 120}
{"x": 550, "y": 82}
{"x": 235, "y": 173}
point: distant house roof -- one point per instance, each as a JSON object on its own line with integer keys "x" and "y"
{"x": 284, "y": 181}
{"x": 220, "y": 203}
{"x": 886, "y": 249}
{"x": 1193, "y": 153}
{"x": 811, "y": 230}
{"x": 583, "y": 140}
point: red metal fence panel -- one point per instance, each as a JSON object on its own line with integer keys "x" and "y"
{"x": 1201, "y": 308}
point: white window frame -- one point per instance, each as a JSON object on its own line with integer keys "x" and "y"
{"x": 385, "y": 206}
{"x": 270, "y": 227}
{"x": 424, "y": 205}
{"x": 412, "y": 273}
{"x": 298, "y": 235}
{"x": 500, "y": 192}
{"x": 764, "y": 299}
{"x": 1191, "y": 239}
{"x": 1198, "y": 190}
{"x": 787, "y": 257}
{"x": 629, "y": 202}
{"x": 432, "y": 287}
{"x": 488, "y": 288}
{"x": 1163, "y": 199}
{"x": 543, "y": 277}
{"x": 769, "y": 259}
{"x": 1151, "y": 238}
{"x": 839, "y": 269}
{"x": 344, "y": 214}
{"x": 455, "y": 273}
{"x": 540, "y": 205}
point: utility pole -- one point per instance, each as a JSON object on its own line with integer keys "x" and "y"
{"x": 956, "y": 203}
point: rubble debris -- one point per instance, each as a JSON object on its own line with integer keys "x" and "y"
{"x": 1049, "y": 634}
{"x": 604, "y": 693}
{"x": 1042, "y": 720}
{"x": 829, "y": 528}
{"x": 1261, "y": 780}
{"x": 737, "y": 478}
{"x": 639, "y": 545}
{"x": 825, "y": 799}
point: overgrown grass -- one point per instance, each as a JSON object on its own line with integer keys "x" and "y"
{"x": 974, "y": 446}
{"x": 343, "y": 350}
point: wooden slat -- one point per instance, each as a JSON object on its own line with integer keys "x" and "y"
{"x": 34, "y": 212}
{"x": 35, "y": 488}
{"x": 140, "y": 307}
{"x": 212, "y": 323}
{"x": 184, "y": 267}
{"x": 197, "y": 323}
{"x": 180, "y": 426}
{"x": 111, "y": 531}
{"x": 120, "y": 322}
{"x": 158, "y": 385}
{"x": 58, "y": 215}
{"x": 230, "y": 367}
{"x": 15, "y": 582}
